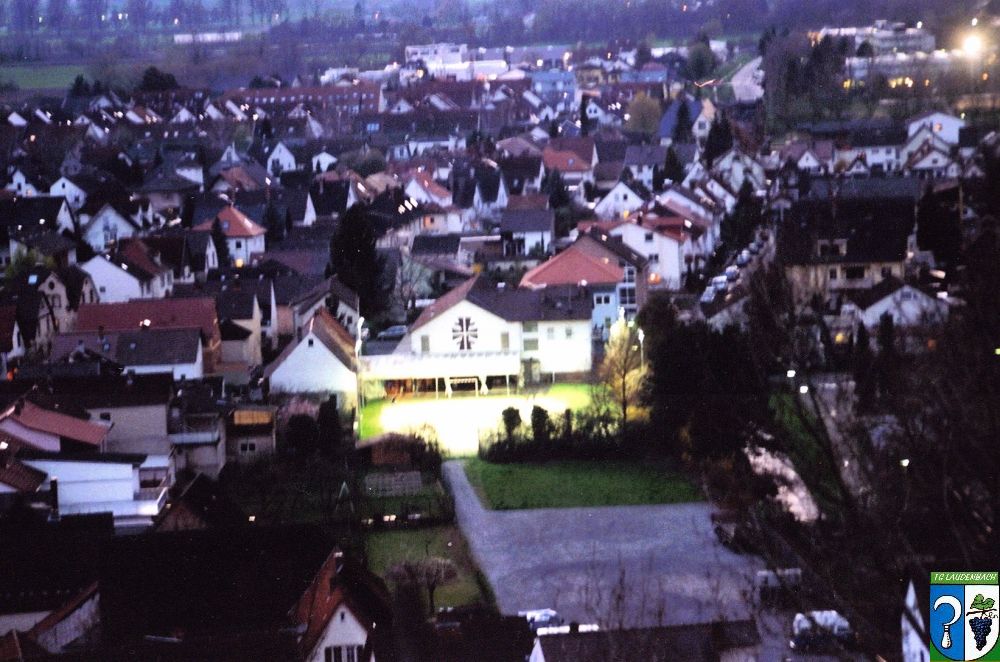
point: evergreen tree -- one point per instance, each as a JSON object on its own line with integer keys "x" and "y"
{"x": 684, "y": 121}
{"x": 938, "y": 229}
{"x": 673, "y": 169}
{"x": 719, "y": 140}
{"x": 275, "y": 223}
{"x": 862, "y": 360}
{"x": 555, "y": 187}
{"x": 356, "y": 261}
{"x": 221, "y": 245}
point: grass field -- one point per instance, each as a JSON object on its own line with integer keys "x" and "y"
{"x": 569, "y": 484}
{"x": 386, "y": 548}
{"x": 42, "y": 77}
{"x": 460, "y": 420}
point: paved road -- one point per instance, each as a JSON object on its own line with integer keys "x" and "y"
{"x": 745, "y": 86}
{"x": 572, "y": 559}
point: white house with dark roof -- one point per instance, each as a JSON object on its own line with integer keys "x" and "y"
{"x": 944, "y": 125}
{"x": 322, "y": 360}
{"x": 483, "y": 335}
{"x": 108, "y": 226}
{"x": 524, "y": 231}
{"x": 177, "y": 352}
{"x": 644, "y": 160}
{"x": 620, "y": 201}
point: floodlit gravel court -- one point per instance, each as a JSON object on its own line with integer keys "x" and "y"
{"x": 460, "y": 420}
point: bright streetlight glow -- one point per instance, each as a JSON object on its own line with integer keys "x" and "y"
{"x": 790, "y": 374}
{"x": 973, "y": 45}
{"x": 905, "y": 462}
{"x": 803, "y": 389}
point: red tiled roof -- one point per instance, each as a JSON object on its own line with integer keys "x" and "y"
{"x": 331, "y": 334}
{"x": 566, "y": 161}
{"x": 431, "y": 186}
{"x": 52, "y": 422}
{"x": 572, "y": 266}
{"x": 20, "y": 477}
{"x": 531, "y": 201}
{"x": 445, "y": 302}
{"x": 17, "y": 646}
{"x": 235, "y": 224}
{"x": 138, "y": 253}
{"x": 194, "y": 313}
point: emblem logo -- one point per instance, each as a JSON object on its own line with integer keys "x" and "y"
{"x": 963, "y": 615}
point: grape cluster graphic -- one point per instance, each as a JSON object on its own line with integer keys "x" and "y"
{"x": 982, "y": 622}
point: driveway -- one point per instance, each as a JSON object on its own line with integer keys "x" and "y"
{"x": 635, "y": 565}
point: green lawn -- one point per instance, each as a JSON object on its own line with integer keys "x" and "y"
{"x": 371, "y": 418}
{"x": 575, "y": 396}
{"x": 572, "y": 483}
{"x": 386, "y": 548}
{"x": 42, "y": 77}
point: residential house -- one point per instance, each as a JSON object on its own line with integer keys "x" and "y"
{"x": 600, "y": 277}
{"x": 133, "y": 271}
{"x": 662, "y": 240}
{"x": 621, "y": 201}
{"x": 669, "y": 120}
{"x": 909, "y": 306}
{"x": 829, "y": 245}
{"x": 243, "y": 236}
{"x": 250, "y": 432}
{"x": 63, "y": 290}
{"x": 11, "y": 345}
{"x": 31, "y": 215}
{"x": 527, "y": 232}
{"x": 422, "y": 188}
{"x": 322, "y": 360}
{"x": 634, "y": 286}
{"x": 185, "y": 594}
{"x": 194, "y": 313}
{"x": 644, "y": 161}
{"x": 191, "y": 255}
{"x": 239, "y": 303}
{"x": 166, "y": 191}
{"x": 177, "y": 352}
{"x": 573, "y": 158}
{"x": 523, "y": 174}
{"x": 280, "y": 159}
{"x": 484, "y": 335}
{"x": 107, "y": 227}
{"x": 323, "y": 161}
{"x": 945, "y": 125}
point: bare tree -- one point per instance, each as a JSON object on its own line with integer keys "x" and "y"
{"x": 623, "y": 370}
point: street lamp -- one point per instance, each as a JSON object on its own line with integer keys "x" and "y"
{"x": 642, "y": 337}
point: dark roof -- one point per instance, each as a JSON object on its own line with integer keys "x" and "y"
{"x": 97, "y": 391}
{"x": 556, "y": 303}
{"x": 645, "y": 155}
{"x": 703, "y": 642}
{"x": 880, "y": 136}
{"x": 45, "y": 564}
{"x": 26, "y": 212}
{"x": 146, "y": 347}
{"x": 519, "y": 169}
{"x": 331, "y": 335}
{"x": 668, "y": 122}
{"x": 330, "y": 198}
{"x": 875, "y": 230}
{"x": 901, "y": 188}
{"x": 8, "y": 318}
{"x": 527, "y": 220}
{"x": 616, "y": 246}
{"x": 234, "y": 299}
{"x": 610, "y": 150}
{"x": 49, "y": 244}
{"x": 207, "y": 581}
{"x": 436, "y": 244}
{"x": 864, "y": 299}
{"x": 232, "y": 331}
{"x": 203, "y": 498}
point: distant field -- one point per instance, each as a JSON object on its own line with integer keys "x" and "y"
{"x": 41, "y": 77}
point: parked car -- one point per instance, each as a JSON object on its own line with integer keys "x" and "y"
{"x": 542, "y": 618}
{"x": 821, "y": 631}
{"x": 392, "y": 333}
{"x": 732, "y": 274}
{"x": 719, "y": 283}
{"x": 732, "y": 532}
{"x": 778, "y": 586}
{"x": 755, "y": 247}
{"x": 708, "y": 296}
{"x": 743, "y": 259}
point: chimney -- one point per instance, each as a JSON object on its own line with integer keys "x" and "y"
{"x": 100, "y": 332}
